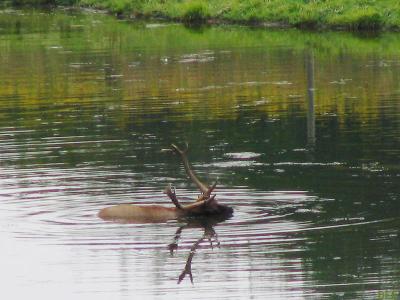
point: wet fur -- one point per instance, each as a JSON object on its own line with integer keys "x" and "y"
{"x": 158, "y": 214}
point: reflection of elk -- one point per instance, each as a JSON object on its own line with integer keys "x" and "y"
{"x": 205, "y": 205}
{"x": 209, "y": 234}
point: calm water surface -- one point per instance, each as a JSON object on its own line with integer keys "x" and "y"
{"x": 302, "y": 130}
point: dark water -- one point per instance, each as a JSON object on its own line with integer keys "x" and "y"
{"x": 302, "y": 130}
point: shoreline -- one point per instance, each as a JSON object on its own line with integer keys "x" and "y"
{"x": 303, "y": 16}
{"x": 220, "y": 22}
{"x": 338, "y": 15}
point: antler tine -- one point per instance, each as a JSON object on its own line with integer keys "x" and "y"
{"x": 171, "y": 193}
{"x": 180, "y": 151}
{"x": 211, "y": 189}
{"x": 193, "y": 206}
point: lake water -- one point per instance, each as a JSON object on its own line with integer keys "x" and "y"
{"x": 302, "y": 130}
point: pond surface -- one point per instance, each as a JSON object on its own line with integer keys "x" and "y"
{"x": 301, "y": 129}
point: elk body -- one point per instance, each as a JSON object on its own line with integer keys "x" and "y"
{"x": 205, "y": 205}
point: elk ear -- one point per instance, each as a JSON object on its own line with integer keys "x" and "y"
{"x": 211, "y": 200}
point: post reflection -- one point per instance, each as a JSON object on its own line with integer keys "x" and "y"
{"x": 309, "y": 63}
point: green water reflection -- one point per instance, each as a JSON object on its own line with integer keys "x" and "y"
{"x": 79, "y": 89}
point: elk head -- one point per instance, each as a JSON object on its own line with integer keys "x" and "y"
{"x": 206, "y": 204}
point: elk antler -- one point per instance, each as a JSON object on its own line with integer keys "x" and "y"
{"x": 198, "y": 204}
{"x": 210, "y": 189}
{"x": 171, "y": 193}
{"x": 205, "y": 190}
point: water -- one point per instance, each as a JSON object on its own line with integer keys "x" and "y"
{"x": 301, "y": 129}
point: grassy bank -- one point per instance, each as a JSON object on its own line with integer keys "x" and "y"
{"x": 343, "y": 14}
{"x": 37, "y": 2}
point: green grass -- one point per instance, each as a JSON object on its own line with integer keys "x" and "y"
{"x": 343, "y": 14}
{"x": 41, "y": 2}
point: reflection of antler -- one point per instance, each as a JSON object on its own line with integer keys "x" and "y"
{"x": 188, "y": 267}
{"x": 209, "y": 233}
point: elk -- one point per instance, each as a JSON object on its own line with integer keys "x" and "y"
{"x": 205, "y": 204}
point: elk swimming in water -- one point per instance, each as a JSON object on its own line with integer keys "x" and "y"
{"x": 205, "y": 204}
